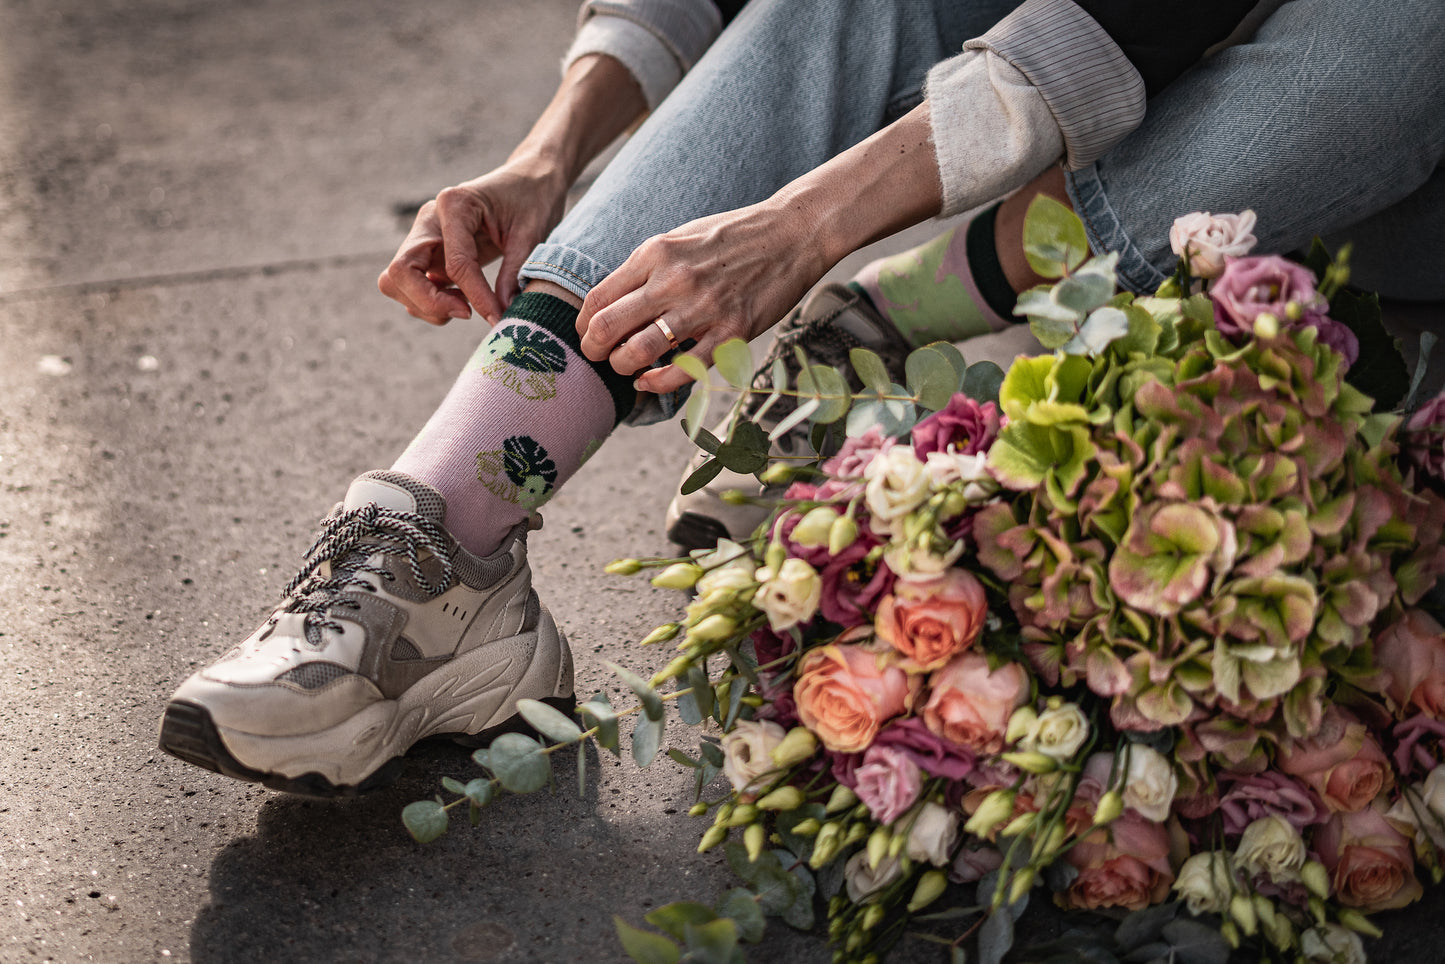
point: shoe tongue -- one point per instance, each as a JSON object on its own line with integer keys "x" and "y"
{"x": 396, "y": 490}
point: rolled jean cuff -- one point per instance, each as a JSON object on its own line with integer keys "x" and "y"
{"x": 573, "y": 270}
{"x": 1107, "y": 233}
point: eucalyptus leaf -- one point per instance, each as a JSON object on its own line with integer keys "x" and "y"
{"x": 706, "y": 441}
{"x": 931, "y": 378}
{"x": 1055, "y": 242}
{"x": 734, "y": 362}
{"x": 480, "y": 791}
{"x": 711, "y": 943}
{"x": 871, "y": 370}
{"x": 605, "y": 718}
{"x": 1194, "y": 942}
{"x": 741, "y": 907}
{"x": 892, "y": 416}
{"x": 1428, "y": 341}
{"x": 646, "y": 739}
{"x": 645, "y": 947}
{"x": 711, "y": 752}
{"x": 704, "y": 474}
{"x": 982, "y": 381}
{"x": 1145, "y": 926}
{"x": 995, "y": 937}
{"x": 1099, "y": 330}
{"x": 425, "y": 820}
{"x": 692, "y": 366}
{"x": 672, "y": 918}
{"x": 796, "y": 417}
{"x": 1038, "y": 304}
{"x": 953, "y": 356}
{"x": 742, "y": 459}
{"x": 736, "y": 692}
{"x": 454, "y": 785}
{"x": 702, "y": 693}
{"x": 694, "y": 413}
{"x": 682, "y": 759}
{"x": 549, "y": 721}
{"x": 799, "y": 913}
{"x": 830, "y": 389}
{"x": 651, "y": 701}
{"x": 519, "y": 763}
{"x": 1084, "y": 292}
{"x": 687, "y": 707}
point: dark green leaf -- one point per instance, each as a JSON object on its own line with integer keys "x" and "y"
{"x": 651, "y": 701}
{"x": 740, "y": 906}
{"x": 788, "y": 819}
{"x": 982, "y": 381}
{"x": 711, "y": 752}
{"x": 712, "y": 943}
{"x": 799, "y": 913}
{"x": 1144, "y": 926}
{"x": 995, "y": 937}
{"x": 1379, "y": 372}
{"x": 736, "y": 692}
{"x": 646, "y": 739}
{"x": 683, "y": 759}
{"x": 706, "y": 441}
{"x": 1428, "y": 341}
{"x": 672, "y": 918}
{"x": 425, "y": 820}
{"x": 645, "y": 947}
{"x": 734, "y": 362}
{"x": 749, "y": 435}
{"x": 704, "y": 474}
{"x": 519, "y": 763}
{"x": 549, "y": 721}
{"x": 744, "y": 461}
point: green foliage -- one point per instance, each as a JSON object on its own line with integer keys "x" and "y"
{"x": 549, "y": 722}
{"x": 425, "y": 820}
{"x": 517, "y": 761}
{"x": 1055, "y": 242}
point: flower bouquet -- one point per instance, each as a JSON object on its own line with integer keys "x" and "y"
{"x": 1143, "y": 623}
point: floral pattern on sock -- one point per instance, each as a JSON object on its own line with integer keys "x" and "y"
{"x": 524, "y": 358}
{"x": 520, "y": 472}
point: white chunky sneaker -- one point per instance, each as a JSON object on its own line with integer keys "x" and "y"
{"x": 832, "y": 321}
{"x": 391, "y": 633}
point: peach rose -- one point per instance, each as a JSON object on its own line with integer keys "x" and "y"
{"x": 1341, "y": 762}
{"x": 1370, "y": 863}
{"x": 970, "y": 706}
{"x": 1125, "y": 864}
{"x": 931, "y": 621}
{"x": 1412, "y": 654}
{"x": 845, "y": 692}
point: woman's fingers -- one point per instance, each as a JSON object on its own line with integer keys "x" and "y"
{"x": 670, "y": 378}
{"x": 462, "y": 217}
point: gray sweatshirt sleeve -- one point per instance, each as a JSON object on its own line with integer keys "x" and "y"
{"x": 656, "y": 40}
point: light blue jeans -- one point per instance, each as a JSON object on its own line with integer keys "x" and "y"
{"x": 1330, "y": 121}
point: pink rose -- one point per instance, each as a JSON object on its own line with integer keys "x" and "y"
{"x": 1422, "y": 441}
{"x": 1341, "y": 762}
{"x": 1370, "y": 862}
{"x": 1125, "y": 864}
{"x": 964, "y": 426}
{"x": 1412, "y": 654}
{"x": 1250, "y": 287}
{"x": 1246, "y": 797}
{"x": 888, "y": 782}
{"x": 856, "y": 453}
{"x": 846, "y": 692}
{"x": 971, "y": 706}
{"x": 930, "y": 622}
{"x": 1205, "y": 240}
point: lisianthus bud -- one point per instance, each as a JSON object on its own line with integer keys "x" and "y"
{"x": 1050, "y": 843}
{"x": 873, "y": 916}
{"x": 783, "y": 798}
{"x": 724, "y": 814}
{"x": 1023, "y": 823}
{"x": 1031, "y": 761}
{"x": 953, "y": 504}
{"x": 1241, "y": 908}
{"x": 755, "y": 838}
{"x": 807, "y": 828}
{"x": 1023, "y": 882}
{"x": 825, "y": 846}
{"x": 1231, "y": 933}
{"x": 714, "y": 627}
{"x": 1316, "y": 878}
{"x": 994, "y": 810}
{"x": 842, "y": 798}
{"x": 673, "y": 670}
{"x": 734, "y": 497}
{"x": 743, "y": 813}
{"x": 930, "y": 887}
{"x": 815, "y": 527}
{"x": 797, "y": 746}
{"x": 623, "y": 567}
{"x": 662, "y": 634}
{"x": 1111, "y": 806}
{"x": 774, "y": 556}
{"x": 1359, "y": 923}
{"x": 697, "y": 810}
{"x": 777, "y": 473}
{"x": 1293, "y": 310}
{"x": 856, "y": 832}
{"x": 1266, "y": 325}
{"x": 878, "y": 842}
{"x": 842, "y": 535}
{"x": 1280, "y": 932}
{"x": 714, "y": 836}
{"x": 1264, "y": 910}
{"x": 679, "y": 575}
{"x": 1020, "y": 723}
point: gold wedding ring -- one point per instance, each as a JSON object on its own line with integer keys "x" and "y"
{"x": 666, "y": 333}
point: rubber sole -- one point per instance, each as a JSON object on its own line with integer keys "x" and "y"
{"x": 188, "y": 733}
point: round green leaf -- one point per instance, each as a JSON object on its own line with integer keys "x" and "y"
{"x": 550, "y": 722}
{"x": 931, "y": 379}
{"x": 734, "y": 362}
{"x": 692, "y": 366}
{"x": 425, "y": 820}
{"x": 741, "y": 907}
{"x": 1055, "y": 242}
{"x": 645, "y": 947}
{"x": 646, "y": 739}
{"x": 519, "y": 763}
{"x": 871, "y": 370}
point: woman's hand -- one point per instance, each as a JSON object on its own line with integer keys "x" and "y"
{"x": 730, "y": 275}
{"x": 437, "y": 272}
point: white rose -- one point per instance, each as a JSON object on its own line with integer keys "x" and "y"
{"x": 897, "y": 484}
{"x": 748, "y": 753}
{"x": 1150, "y": 783}
{"x": 1205, "y": 882}
{"x": 1058, "y": 732}
{"x": 864, "y": 881}
{"x": 1332, "y": 944}
{"x": 933, "y": 834}
{"x": 1210, "y": 238}
{"x": 1422, "y": 800}
{"x": 789, "y": 596}
{"x": 915, "y": 563}
{"x": 1271, "y": 846}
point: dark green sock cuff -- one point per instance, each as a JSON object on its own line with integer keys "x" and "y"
{"x": 560, "y": 318}
{"x": 987, "y": 272}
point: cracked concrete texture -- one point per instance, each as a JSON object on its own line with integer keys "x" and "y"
{"x": 195, "y": 199}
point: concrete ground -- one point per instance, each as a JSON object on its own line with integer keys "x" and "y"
{"x": 195, "y": 200}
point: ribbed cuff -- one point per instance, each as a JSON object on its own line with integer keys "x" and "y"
{"x": 560, "y": 318}
{"x": 1093, "y": 91}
